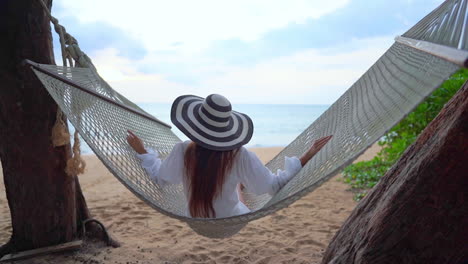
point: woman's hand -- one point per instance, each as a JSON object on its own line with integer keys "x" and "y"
{"x": 136, "y": 143}
{"x": 316, "y": 147}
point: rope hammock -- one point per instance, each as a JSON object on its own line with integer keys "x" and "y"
{"x": 414, "y": 66}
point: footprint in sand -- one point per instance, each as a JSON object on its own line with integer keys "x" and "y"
{"x": 306, "y": 205}
{"x": 226, "y": 259}
{"x": 308, "y": 242}
{"x": 140, "y": 217}
{"x": 323, "y": 231}
{"x": 216, "y": 253}
{"x": 288, "y": 233}
{"x": 167, "y": 231}
{"x": 199, "y": 258}
{"x": 274, "y": 244}
{"x": 291, "y": 250}
{"x": 197, "y": 249}
{"x": 279, "y": 217}
{"x": 338, "y": 211}
{"x": 264, "y": 260}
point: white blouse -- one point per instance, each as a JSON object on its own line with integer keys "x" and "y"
{"x": 247, "y": 170}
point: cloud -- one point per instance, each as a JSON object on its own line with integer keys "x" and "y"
{"x": 159, "y": 24}
{"x": 251, "y": 51}
{"x": 237, "y": 32}
{"x": 312, "y": 76}
{"x": 359, "y": 19}
{"x": 123, "y": 75}
{"x": 99, "y": 35}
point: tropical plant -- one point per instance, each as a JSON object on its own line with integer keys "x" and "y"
{"x": 365, "y": 174}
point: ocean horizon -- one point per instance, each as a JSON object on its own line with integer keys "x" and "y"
{"x": 275, "y": 125}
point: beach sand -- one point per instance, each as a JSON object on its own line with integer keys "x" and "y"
{"x": 297, "y": 234}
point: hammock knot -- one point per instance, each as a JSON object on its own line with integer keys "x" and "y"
{"x": 60, "y": 135}
{"x": 76, "y": 165}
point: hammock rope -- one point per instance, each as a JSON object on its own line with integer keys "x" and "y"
{"x": 414, "y": 66}
{"x": 60, "y": 135}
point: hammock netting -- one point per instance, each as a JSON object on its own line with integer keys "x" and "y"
{"x": 414, "y": 66}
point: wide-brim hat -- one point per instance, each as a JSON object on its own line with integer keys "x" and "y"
{"x": 211, "y": 122}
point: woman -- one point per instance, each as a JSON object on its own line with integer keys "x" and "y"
{"x": 214, "y": 163}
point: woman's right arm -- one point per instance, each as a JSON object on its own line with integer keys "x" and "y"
{"x": 316, "y": 147}
{"x": 259, "y": 179}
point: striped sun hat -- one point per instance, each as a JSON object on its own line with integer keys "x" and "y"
{"x": 211, "y": 122}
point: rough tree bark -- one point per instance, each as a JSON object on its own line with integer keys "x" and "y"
{"x": 46, "y": 205}
{"x": 418, "y": 212}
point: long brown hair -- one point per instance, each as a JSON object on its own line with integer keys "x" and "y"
{"x": 206, "y": 172}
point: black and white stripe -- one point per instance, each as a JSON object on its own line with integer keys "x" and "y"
{"x": 211, "y": 122}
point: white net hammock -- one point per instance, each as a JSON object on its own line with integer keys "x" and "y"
{"x": 416, "y": 64}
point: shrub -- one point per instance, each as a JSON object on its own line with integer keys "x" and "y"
{"x": 365, "y": 174}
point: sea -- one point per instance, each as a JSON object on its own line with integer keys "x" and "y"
{"x": 274, "y": 124}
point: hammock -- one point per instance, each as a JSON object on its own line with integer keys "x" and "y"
{"x": 415, "y": 65}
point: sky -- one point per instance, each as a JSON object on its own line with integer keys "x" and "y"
{"x": 251, "y": 51}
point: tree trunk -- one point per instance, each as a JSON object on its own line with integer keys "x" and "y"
{"x": 418, "y": 212}
{"x": 41, "y": 197}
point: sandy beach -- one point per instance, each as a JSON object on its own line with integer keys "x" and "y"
{"x": 298, "y": 234}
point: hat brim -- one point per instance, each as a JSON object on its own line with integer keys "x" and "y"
{"x": 185, "y": 116}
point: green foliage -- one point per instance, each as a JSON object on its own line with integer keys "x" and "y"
{"x": 365, "y": 174}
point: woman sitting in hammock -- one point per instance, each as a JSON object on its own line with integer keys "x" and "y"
{"x": 214, "y": 164}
